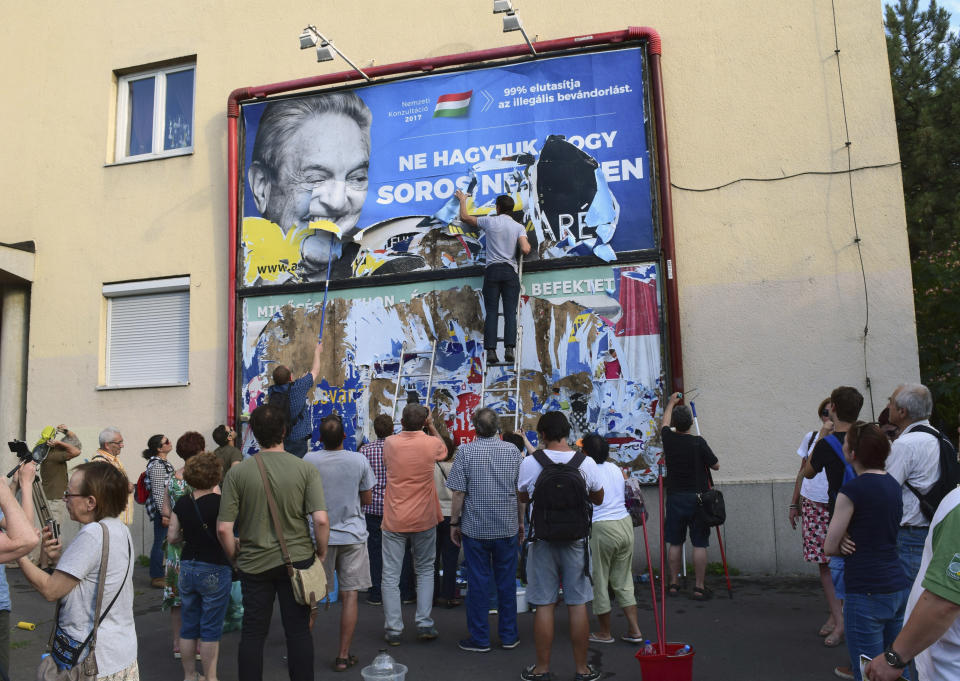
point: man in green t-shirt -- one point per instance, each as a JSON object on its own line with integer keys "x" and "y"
{"x": 931, "y": 630}
{"x": 298, "y": 492}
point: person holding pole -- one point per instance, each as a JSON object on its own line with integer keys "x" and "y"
{"x": 687, "y": 457}
{"x": 291, "y": 398}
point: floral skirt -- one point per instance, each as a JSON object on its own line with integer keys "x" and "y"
{"x": 816, "y": 518}
{"x": 131, "y": 673}
{"x": 171, "y": 586}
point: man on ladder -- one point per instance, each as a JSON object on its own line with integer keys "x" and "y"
{"x": 501, "y": 279}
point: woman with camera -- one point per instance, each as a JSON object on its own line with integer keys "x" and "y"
{"x": 863, "y": 529}
{"x": 93, "y": 581}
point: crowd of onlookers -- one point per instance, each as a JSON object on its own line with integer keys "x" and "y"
{"x": 878, "y": 507}
{"x": 234, "y": 533}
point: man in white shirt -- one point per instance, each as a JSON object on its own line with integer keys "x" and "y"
{"x": 551, "y": 563}
{"x": 914, "y": 460}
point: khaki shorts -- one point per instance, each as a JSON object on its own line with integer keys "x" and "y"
{"x": 352, "y": 563}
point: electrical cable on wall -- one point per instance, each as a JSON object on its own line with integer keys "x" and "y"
{"x": 853, "y": 210}
{"x": 849, "y": 171}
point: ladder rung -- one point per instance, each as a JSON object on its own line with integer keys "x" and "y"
{"x": 501, "y": 390}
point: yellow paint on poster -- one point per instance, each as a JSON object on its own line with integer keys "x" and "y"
{"x": 270, "y": 254}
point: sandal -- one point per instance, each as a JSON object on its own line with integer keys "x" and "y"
{"x": 596, "y": 638}
{"x": 342, "y": 664}
{"x": 529, "y": 675}
{"x": 632, "y": 639}
{"x": 834, "y": 640}
{"x": 673, "y": 590}
{"x": 701, "y": 593}
{"x": 825, "y": 630}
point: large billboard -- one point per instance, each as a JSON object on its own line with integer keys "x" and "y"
{"x": 590, "y": 346}
{"x": 360, "y": 182}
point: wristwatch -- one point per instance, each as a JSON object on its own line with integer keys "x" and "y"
{"x": 893, "y": 658}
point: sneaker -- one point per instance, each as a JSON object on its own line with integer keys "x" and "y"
{"x": 508, "y": 355}
{"x": 492, "y": 357}
{"x": 408, "y": 601}
{"x": 428, "y": 633}
{"x": 472, "y": 646}
{"x": 528, "y": 675}
{"x": 392, "y": 638}
{"x": 492, "y": 611}
{"x": 590, "y": 675}
{"x": 374, "y": 601}
{"x": 511, "y": 645}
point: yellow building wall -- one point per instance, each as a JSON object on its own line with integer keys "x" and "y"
{"x": 771, "y": 292}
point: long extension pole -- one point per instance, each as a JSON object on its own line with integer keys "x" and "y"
{"x": 653, "y": 588}
{"x": 662, "y": 643}
{"x": 326, "y": 288}
{"x": 723, "y": 555}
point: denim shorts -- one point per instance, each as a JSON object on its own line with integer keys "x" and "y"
{"x": 204, "y": 597}
{"x": 681, "y": 514}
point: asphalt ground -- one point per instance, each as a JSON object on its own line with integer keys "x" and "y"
{"x": 768, "y": 630}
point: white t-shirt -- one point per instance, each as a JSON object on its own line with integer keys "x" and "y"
{"x": 117, "y": 635}
{"x": 530, "y": 471}
{"x": 814, "y": 489}
{"x": 914, "y": 458}
{"x": 614, "y": 505}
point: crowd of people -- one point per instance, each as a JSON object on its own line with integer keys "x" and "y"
{"x": 234, "y": 533}
{"x": 867, "y": 495}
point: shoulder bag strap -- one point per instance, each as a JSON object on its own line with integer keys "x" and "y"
{"x": 206, "y": 528}
{"x": 104, "y": 557}
{"x": 441, "y": 471}
{"x": 542, "y": 458}
{"x": 272, "y": 504}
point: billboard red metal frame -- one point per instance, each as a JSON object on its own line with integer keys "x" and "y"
{"x": 547, "y": 47}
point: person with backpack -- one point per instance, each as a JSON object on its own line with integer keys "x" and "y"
{"x": 562, "y": 485}
{"x": 687, "y": 457}
{"x": 154, "y": 483}
{"x": 844, "y": 408}
{"x": 291, "y": 398}
{"x": 915, "y": 461}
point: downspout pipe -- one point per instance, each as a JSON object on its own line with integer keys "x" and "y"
{"x": 426, "y": 65}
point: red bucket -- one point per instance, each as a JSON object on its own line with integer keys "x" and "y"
{"x": 667, "y": 667}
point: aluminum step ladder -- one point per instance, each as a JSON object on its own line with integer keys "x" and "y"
{"x": 404, "y": 353}
{"x": 513, "y": 384}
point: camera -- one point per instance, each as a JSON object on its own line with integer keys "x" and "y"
{"x": 25, "y": 454}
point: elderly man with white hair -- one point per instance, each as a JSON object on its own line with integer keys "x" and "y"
{"x": 915, "y": 462}
{"x": 111, "y": 444}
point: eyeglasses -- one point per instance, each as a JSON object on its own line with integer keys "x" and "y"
{"x": 166, "y": 442}
{"x": 67, "y": 495}
{"x": 116, "y": 442}
{"x": 825, "y": 413}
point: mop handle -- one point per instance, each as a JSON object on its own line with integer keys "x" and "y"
{"x": 326, "y": 288}
{"x": 653, "y": 581}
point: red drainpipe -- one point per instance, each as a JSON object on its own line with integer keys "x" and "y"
{"x": 429, "y": 64}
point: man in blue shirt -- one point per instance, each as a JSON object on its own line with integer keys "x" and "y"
{"x": 292, "y": 395}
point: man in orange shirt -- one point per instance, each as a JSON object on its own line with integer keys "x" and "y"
{"x": 411, "y": 511}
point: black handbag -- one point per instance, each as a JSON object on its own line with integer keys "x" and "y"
{"x": 710, "y": 508}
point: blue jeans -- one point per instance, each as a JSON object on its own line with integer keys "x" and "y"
{"x": 408, "y": 589}
{"x": 500, "y": 282}
{"x": 836, "y": 575}
{"x": 204, "y": 597}
{"x": 424, "y": 545}
{"x": 156, "y": 551}
{"x": 448, "y": 554}
{"x": 491, "y": 560}
{"x": 910, "y": 549}
{"x": 871, "y": 622}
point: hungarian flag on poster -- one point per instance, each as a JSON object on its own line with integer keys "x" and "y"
{"x": 453, "y": 105}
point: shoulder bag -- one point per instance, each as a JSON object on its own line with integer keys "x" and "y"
{"x": 711, "y": 510}
{"x": 64, "y": 650}
{"x": 310, "y": 584}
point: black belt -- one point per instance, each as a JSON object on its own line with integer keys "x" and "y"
{"x": 915, "y": 527}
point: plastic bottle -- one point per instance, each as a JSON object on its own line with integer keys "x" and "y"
{"x": 383, "y": 661}
{"x": 683, "y": 651}
{"x": 647, "y": 647}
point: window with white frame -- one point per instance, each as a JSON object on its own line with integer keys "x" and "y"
{"x": 155, "y": 113}
{"x": 148, "y": 333}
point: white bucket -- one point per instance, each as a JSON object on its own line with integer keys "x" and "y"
{"x": 521, "y": 600}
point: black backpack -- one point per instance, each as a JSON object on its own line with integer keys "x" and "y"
{"x": 561, "y": 507}
{"x": 949, "y": 474}
{"x": 281, "y": 400}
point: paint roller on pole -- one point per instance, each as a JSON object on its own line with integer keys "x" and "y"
{"x": 334, "y": 231}
{"x": 723, "y": 555}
